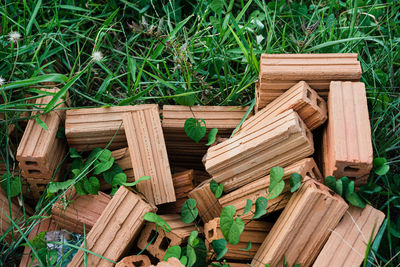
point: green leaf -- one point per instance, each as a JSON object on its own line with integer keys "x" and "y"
{"x": 192, "y": 238}
{"x": 110, "y": 173}
{"x": 173, "y": 252}
{"x": 189, "y": 211}
{"x": 194, "y": 129}
{"x": 276, "y": 184}
{"x": 212, "y": 136}
{"x": 220, "y": 248}
{"x": 345, "y": 182}
{"x": 185, "y": 100}
{"x": 51, "y": 257}
{"x": 276, "y": 174}
{"x": 152, "y": 217}
{"x": 103, "y": 166}
{"x": 79, "y": 188}
{"x": 380, "y": 166}
{"x": 201, "y": 253}
{"x": 119, "y": 179}
{"x": 330, "y": 182}
{"x": 54, "y": 187}
{"x": 143, "y": 178}
{"x": 339, "y": 187}
{"x": 216, "y": 189}
{"x": 191, "y": 255}
{"x": 73, "y": 153}
{"x": 276, "y": 190}
{"x": 103, "y": 155}
{"x": 350, "y": 187}
{"x": 248, "y": 247}
{"x": 355, "y": 200}
{"x": 15, "y": 184}
{"x": 91, "y": 185}
{"x": 295, "y": 182}
{"x": 41, "y": 123}
{"x": 184, "y": 260}
{"x": 217, "y": 6}
{"x": 261, "y": 206}
{"x": 247, "y": 208}
{"x": 231, "y": 228}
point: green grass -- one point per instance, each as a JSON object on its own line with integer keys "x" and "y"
{"x": 210, "y": 50}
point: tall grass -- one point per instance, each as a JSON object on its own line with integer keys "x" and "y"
{"x": 155, "y": 50}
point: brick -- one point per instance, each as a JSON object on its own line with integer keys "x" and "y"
{"x": 40, "y": 151}
{"x": 89, "y": 128}
{"x": 304, "y": 226}
{"x": 281, "y": 141}
{"x": 259, "y": 188}
{"x": 279, "y": 72}
{"x": 348, "y": 242}
{"x": 171, "y": 262}
{"x": 115, "y": 230}
{"x": 301, "y": 98}
{"x": 5, "y": 223}
{"x": 183, "y": 184}
{"x": 36, "y": 186}
{"x": 254, "y": 232}
{"x": 149, "y": 154}
{"x": 78, "y": 213}
{"x": 44, "y": 226}
{"x": 206, "y": 203}
{"x": 134, "y": 261}
{"x": 233, "y": 264}
{"x": 347, "y": 146}
{"x": 123, "y": 159}
{"x": 183, "y": 151}
{"x": 178, "y": 235}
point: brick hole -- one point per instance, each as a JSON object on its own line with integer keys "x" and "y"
{"x": 319, "y": 103}
{"x": 308, "y": 93}
{"x": 33, "y": 171}
{"x": 351, "y": 169}
{"x": 31, "y": 163}
{"x": 164, "y": 243}
{"x": 138, "y": 263}
{"x": 151, "y": 236}
{"x": 309, "y": 174}
{"x": 211, "y": 233}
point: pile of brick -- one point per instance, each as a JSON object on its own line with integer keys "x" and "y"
{"x": 310, "y": 114}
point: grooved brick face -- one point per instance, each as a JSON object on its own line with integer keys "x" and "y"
{"x": 209, "y": 207}
{"x": 279, "y": 72}
{"x": 347, "y": 146}
{"x": 149, "y": 155}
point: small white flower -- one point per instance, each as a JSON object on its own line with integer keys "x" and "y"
{"x": 97, "y": 56}
{"x": 14, "y": 36}
{"x": 2, "y": 80}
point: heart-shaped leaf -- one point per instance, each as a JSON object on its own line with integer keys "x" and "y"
{"x": 212, "y": 136}
{"x": 380, "y": 166}
{"x": 276, "y": 184}
{"x": 276, "y": 190}
{"x": 73, "y": 153}
{"x": 79, "y": 188}
{"x": 185, "y": 100}
{"x": 119, "y": 179}
{"x": 261, "y": 206}
{"x": 330, "y": 182}
{"x": 216, "y": 188}
{"x": 219, "y": 247}
{"x": 103, "y": 166}
{"x": 189, "y": 211}
{"x": 173, "y": 252}
{"x": 295, "y": 182}
{"x": 91, "y": 185}
{"x": 231, "y": 228}
{"x": 195, "y": 129}
{"x": 109, "y": 174}
{"x": 355, "y": 200}
{"x": 52, "y": 257}
{"x": 15, "y": 184}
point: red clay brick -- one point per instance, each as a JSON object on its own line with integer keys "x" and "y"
{"x": 134, "y": 261}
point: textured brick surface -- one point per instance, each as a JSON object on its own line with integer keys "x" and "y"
{"x": 89, "y": 128}
{"x": 149, "y": 154}
{"x": 281, "y": 141}
{"x": 259, "y": 188}
{"x": 183, "y": 184}
{"x": 134, "y": 261}
{"x": 348, "y": 242}
{"x": 5, "y": 223}
{"x": 347, "y": 146}
{"x": 279, "y": 72}
{"x": 301, "y": 98}
{"x": 304, "y": 226}
{"x": 254, "y": 232}
{"x": 206, "y": 203}
{"x": 183, "y": 151}
{"x": 78, "y": 213}
{"x": 40, "y": 152}
{"x": 115, "y": 230}
{"x": 179, "y": 233}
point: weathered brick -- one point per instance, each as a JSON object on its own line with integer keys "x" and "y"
{"x": 89, "y": 128}
{"x": 149, "y": 155}
{"x": 178, "y": 235}
{"x": 183, "y": 151}
{"x": 78, "y": 213}
{"x": 259, "y": 188}
{"x": 115, "y": 230}
{"x": 301, "y": 98}
{"x": 134, "y": 261}
{"x": 348, "y": 242}
{"x": 281, "y": 141}
{"x": 183, "y": 184}
{"x": 40, "y": 151}
{"x": 347, "y": 146}
{"x": 206, "y": 203}
{"x": 254, "y": 232}
{"x": 304, "y": 226}
{"x": 16, "y": 214}
{"x": 279, "y": 72}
